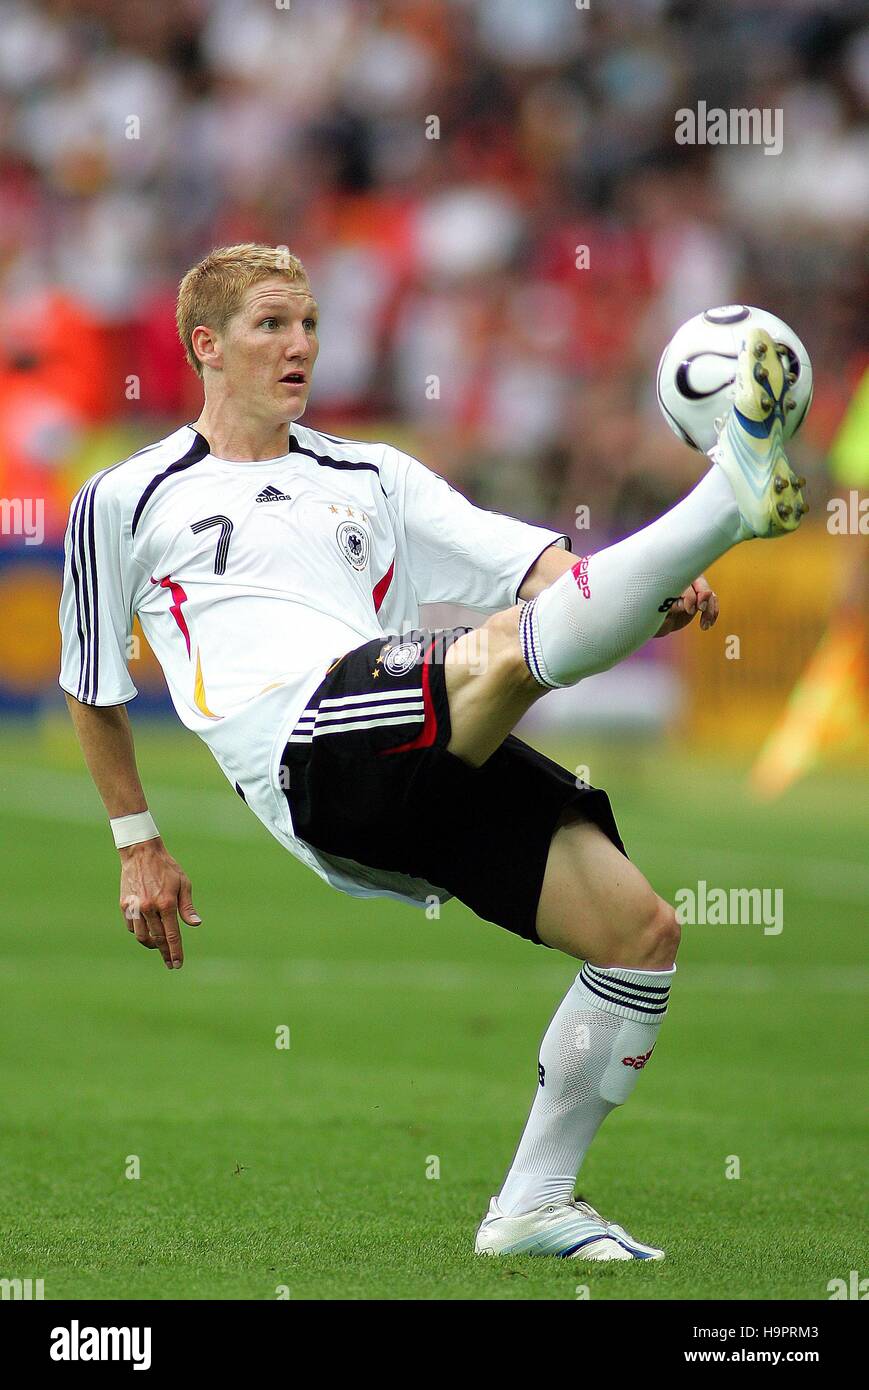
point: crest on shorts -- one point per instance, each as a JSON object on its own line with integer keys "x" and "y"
{"x": 354, "y": 543}
{"x": 401, "y": 657}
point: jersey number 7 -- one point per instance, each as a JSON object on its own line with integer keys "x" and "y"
{"x": 223, "y": 539}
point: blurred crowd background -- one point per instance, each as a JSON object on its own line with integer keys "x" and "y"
{"x": 437, "y": 164}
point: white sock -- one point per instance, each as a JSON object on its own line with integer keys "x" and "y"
{"x": 610, "y": 603}
{"x": 594, "y": 1049}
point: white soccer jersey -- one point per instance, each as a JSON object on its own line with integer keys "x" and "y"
{"x": 250, "y": 579}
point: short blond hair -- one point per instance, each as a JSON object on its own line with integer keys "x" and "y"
{"x": 212, "y": 291}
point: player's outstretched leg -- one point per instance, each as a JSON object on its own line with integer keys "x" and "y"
{"x": 610, "y": 603}
{"x": 750, "y": 448}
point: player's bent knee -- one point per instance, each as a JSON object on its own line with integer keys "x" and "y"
{"x": 660, "y": 935}
{"x": 492, "y": 652}
{"x": 507, "y": 655}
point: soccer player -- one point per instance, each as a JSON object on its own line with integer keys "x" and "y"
{"x": 277, "y": 573}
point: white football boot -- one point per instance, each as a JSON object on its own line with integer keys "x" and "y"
{"x": 571, "y": 1230}
{"x": 750, "y": 445}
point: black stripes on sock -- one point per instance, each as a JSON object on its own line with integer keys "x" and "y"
{"x": 625, "y": 991}
{"x": 530, "y": 643}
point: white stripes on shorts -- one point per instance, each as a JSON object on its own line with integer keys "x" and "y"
{"x": 335, "y": 715}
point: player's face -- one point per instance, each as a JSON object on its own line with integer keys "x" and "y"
{"x": 270, "y": 348}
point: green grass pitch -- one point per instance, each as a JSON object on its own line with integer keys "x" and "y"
{"x": 411, "y": 1041}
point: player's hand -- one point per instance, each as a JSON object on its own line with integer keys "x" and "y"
{"x": 697, "y": 598}
{"x": 155, "y": 892}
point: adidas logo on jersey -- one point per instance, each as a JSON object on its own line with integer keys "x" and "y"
{"x": 272, "y": 494}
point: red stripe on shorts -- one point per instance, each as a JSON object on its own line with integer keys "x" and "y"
{"x": 426, "y": 737}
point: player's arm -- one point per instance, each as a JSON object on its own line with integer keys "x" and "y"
{"x": 697, "y": 598}
{"x": 155, "y": 891}
{"x": 101, "y": 584}
{"x": 463, "y": 554}
{"x": 458, "y": 552}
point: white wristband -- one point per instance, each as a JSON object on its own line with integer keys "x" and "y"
{"x": 131, "y": 830}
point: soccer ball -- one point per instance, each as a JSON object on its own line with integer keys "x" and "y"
{"x": 697, "y": 368}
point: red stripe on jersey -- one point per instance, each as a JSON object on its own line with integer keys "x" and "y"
{"x": 178, "y": 597}
{"x": 378, "y": 593}
{"x": 426, "y": 737}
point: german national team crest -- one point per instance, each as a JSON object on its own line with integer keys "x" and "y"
{"x": 354, "y": 543}
{"x": 401, "y": 657}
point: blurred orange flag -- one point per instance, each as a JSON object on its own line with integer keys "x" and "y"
{"x": 827, "y": 709}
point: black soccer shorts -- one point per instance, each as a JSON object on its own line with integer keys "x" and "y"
{"x": 368, "y": 777}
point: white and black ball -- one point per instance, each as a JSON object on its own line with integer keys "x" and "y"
{"x": 698, "y": 366}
